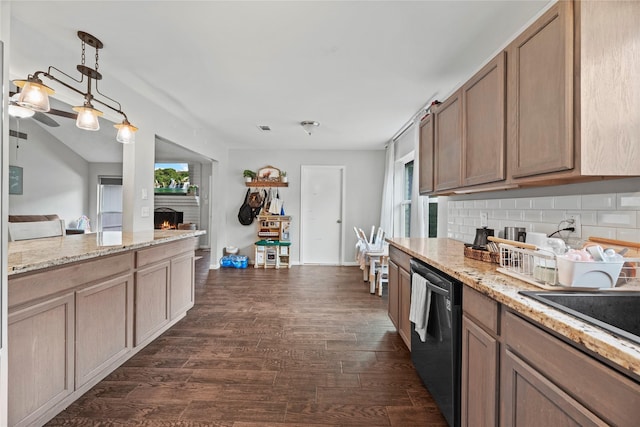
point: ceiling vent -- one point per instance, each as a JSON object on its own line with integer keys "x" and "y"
{"x": 264, "y": 128}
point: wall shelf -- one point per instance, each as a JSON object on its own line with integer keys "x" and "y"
{"x": 266, "y": 184}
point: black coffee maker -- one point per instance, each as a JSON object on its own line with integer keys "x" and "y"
{"x": 480, "y": 242}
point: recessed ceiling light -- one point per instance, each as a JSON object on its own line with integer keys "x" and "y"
{"x": 309, "y": 126}
{"x": 265, "y": 128}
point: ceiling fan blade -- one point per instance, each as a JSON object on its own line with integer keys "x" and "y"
{"x": 43, "y": 118}
{"x": 63, "y": 113}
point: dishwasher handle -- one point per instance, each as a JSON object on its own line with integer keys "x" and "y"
{"x": 437, "y": 289}
{"x": 435, "y": 282}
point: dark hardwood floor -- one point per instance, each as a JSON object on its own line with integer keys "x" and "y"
{"x": 307, "y": 346}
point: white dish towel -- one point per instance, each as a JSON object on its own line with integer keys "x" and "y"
{"x": 420, "y": 305}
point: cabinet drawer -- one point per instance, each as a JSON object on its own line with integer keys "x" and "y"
{"x": 481, "y": 308}
{"x": 38, "y": 285}
{"x": 607, "y": 393}
{"x": 164, "y": 251}
{"x": 401, "y": 259}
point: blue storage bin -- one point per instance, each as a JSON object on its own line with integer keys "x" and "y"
{"x": 235, "y": 261}
{"x": 239, "y": 261}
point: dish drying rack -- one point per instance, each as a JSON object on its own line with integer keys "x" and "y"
{"x": 532, "y": 266}
{"x": 539, "y": 268}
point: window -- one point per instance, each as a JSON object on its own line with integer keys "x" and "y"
{"x": 171, "y": 175}
{"x": 405, "y": 205}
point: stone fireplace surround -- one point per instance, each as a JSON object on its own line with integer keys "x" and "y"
{"x": 188, "y": 205}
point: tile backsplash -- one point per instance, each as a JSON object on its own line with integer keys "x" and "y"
{"x": 611, "y": 215}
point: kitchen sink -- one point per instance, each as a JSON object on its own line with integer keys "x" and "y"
{"x": 616, "y": 312}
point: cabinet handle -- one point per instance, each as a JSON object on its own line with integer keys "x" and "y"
{"x": 339, "y": 221}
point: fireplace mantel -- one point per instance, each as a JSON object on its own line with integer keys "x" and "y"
{"x": 173, "y": 201}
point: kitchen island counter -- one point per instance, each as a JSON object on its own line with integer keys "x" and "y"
{"x": 81, "y": 305}
{"x": 447, "y": 256}
{"x": 37, "y": 254}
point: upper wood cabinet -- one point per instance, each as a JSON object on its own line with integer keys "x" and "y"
{"x": 573, "y": 94}
{"x": 484, "y": 124}
{"x": 448, "y": 143}
{"x": 540, "y": 95}
{"x": 426, "y": 155}
{"x": 608, "y": 40}
{"x": 570, "y": 111}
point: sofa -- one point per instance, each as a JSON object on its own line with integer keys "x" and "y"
{"x": 26, "y": 227}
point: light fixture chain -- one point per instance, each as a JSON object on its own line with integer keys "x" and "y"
{"x": 82, "y": 58}
{"x": 96, "y": 59}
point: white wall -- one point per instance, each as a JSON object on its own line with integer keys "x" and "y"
{"x": 608, "y": 209}
{"x": 5, "y": 9}
{"x": 55, "y": 178}
{"x": 364, "y": 173}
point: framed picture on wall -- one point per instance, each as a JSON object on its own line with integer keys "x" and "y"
{"x": 15, "y": 180}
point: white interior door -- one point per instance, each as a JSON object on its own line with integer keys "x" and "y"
{"x": 321, "y": 210}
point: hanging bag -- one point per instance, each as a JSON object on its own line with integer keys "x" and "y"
{"x": 245, "y": 214}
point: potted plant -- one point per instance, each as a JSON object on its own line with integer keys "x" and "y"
{"x": 192, "y": 190}
{"x": 249, "y": 175}
{"x": 283, "y": 176}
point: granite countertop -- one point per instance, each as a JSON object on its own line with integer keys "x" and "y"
{"x": 447, "y": 256}
{"x": 36, "y": 254}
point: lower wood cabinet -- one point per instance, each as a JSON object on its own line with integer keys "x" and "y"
{"x": 394, "y": 293}
{"x": 530, "y": 399}
{"x": 41, "y": 358}
{"x": 151, "y": 301}
{"x": 182, "y": 279}
{"x": 541, "y": 373}
{"x": 104, "y": 321}
{"x": 400, "y": 293}
{"x": 514, "y": 373}
{"x": 479, "y": 376}
{"x": 70, "y": 326}
{"x": 404, "y": 325}
{"x": 480, "y": 351}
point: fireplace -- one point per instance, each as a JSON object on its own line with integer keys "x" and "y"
{"x": 166, "y": 218}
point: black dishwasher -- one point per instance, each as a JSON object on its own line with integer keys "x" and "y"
{"x": 438, "y": 358}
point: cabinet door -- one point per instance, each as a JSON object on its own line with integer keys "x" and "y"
{"x": 41, "y": 358}
{"x": 448, "y": 143}
{"x": 182, "y": 284}
{"x": 151, "y": 301}
{"x": 394, "y": 292}
{"x": 104, "y": 326}
{"x": 426, "y": 155}
{"x": 540, "y": 95}
{"x": 484, "y": 124}
{"x": 530, "y": 400}
{"x": 405, "y": 306}
{"x": 479, "y": 376}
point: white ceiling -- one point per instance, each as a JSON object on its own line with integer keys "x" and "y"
{"x": 360, "y": 68}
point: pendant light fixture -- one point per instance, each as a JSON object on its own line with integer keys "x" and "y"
{"x": 35, "y": 94}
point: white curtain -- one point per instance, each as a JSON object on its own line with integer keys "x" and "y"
{"x": 386, "y": 212}
{"x": 419, "y": 204}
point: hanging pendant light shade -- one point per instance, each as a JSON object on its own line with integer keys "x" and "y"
{"x": 87, "y": 117}
{"x": 126, "y": 132}
{"x": 34, "y": 94}
{"x": 18, "y": 111}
